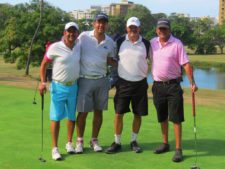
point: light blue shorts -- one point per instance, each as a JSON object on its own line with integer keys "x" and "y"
{"x": 63, "y": 101}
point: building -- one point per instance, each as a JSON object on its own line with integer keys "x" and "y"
{"x": 221, "y": 11}
{"x": 120, "y": 8}
{"x": 113, "y": 9}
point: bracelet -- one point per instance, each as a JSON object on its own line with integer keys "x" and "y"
{"x": 44, "y": 83}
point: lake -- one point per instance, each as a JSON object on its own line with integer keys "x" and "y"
{"x": 207, "y": 79}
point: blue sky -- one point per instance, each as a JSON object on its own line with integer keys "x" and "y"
{"x": 193, "y": 7}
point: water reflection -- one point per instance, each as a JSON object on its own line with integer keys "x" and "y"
{"x": 208, "y": 79}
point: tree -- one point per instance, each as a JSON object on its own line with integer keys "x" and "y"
{"x": 15, "y": 43}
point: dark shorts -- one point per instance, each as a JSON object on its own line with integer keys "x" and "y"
{"x": 168, "y": 101}
{"x": 131, "y": 92}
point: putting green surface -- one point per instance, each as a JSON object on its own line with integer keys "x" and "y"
{"x": 20, "y": 137}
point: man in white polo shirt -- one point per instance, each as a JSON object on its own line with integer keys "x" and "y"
{"x": 132, "y": 85}
{"x": 65, "y": 57}
{"x": 97, "y": 50}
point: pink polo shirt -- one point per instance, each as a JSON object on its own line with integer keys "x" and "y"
{"x": 167, "y": 60}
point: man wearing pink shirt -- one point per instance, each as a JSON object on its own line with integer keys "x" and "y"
{"x": 168, "y": 56}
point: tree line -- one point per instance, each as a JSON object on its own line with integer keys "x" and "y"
{"x": 18, "y": 24}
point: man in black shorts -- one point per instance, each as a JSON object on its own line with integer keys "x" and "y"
{"x": 132, "y": 84}
{"x": 168, "y": 56}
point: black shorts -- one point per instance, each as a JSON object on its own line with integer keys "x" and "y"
{"x": 131, "y": 92}
{"x": 168, "y": 101}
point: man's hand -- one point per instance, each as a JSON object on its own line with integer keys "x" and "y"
{"x": 42, "y": 88}
{"x": 194, "y": 87}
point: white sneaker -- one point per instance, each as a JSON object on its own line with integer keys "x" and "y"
{"x": 95, "y": 145}
{"x": 69, "y": 148}
{"x": 79, "y": 147}
{"x": 55, "y": 154}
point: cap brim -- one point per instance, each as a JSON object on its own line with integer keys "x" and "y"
{"x": 103, "y": 19}
{"x": 163, "y": 26}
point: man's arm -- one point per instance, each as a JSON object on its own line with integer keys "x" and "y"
{"x": 189, "y": 72}
{"x": 42, "y": 86}
{"x": 112, "y": 61}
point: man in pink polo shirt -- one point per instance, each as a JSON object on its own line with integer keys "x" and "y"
{"x": 168, "y": 56}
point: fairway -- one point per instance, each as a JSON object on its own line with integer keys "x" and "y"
{"x": 20, "y": 138}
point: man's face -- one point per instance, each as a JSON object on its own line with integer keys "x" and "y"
{"x": 100, "y": 26}
{"x": 163, "y": 33}
{"x": 71, "y": 34}
{"x": 133, "y": 31}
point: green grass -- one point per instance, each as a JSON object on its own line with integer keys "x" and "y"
{"x": 208, "y": 61}
{"x": 20, "y": 138}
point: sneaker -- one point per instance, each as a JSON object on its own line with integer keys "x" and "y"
{"x": 69, "y": 148}
{"x": 55, "y": 154}
{"x": 134, "y": 146}
{"x": 95, "y": 145}
{"x": 79, "y": 147}
{"x": 178, "y": 156}
{"x": 114, "y": 148}
{"x": 162, "y": 148}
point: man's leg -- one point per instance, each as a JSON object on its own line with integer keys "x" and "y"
{"x": 135, "y": 130}
{"x": 118, "y": 124}
{"x": 136, "y": 123}
{"x": 96, "y": 123}
{"x": 118, "y": 128}
{"x": 96, "y": 126}
{"x": 70, "y": 130}
{"x": 164, "y": 130}
{"x": 165, "y": 146}
{"x": 178, "y": 156}
{"x": 178, "y": 134}
{"x": 55, "y": 125}
{"x": 81, "y": 123}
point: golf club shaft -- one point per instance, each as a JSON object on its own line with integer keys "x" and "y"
{"x": 42, "y": 122}
{"x": 193, "y": 103}
{"x": 35, "y": 93}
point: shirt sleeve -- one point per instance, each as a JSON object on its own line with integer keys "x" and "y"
{"x": 113, "y": 50}
{"x": 50, "y": 53}
{"x": 183, "y": 57}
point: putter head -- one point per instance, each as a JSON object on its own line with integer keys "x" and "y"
{"x": 42, "y": 160}
{"x": 34, "y": 101}
{"x": 194, "y": 167}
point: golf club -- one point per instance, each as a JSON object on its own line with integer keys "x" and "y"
{"x": 194, "y": 166}
{"x": 35, "y": 92}
{"x": 42, "y": 128}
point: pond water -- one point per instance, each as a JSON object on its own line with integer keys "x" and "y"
{"x": 207, "y": 79}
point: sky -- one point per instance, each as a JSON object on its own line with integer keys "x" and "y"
{"x": 195, "y": 8}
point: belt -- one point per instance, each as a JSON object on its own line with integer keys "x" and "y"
{"x": 167, "y": 82}
{"x": 92, "y": 76}
{"x": 70, "y": 83}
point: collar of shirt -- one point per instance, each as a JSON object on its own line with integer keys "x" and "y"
{"x": 138, "y": 41}
{"x": 91, "y": 33}
{"x": 171, "y": 39}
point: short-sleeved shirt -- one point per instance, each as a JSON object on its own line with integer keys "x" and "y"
{"x": 167, "y": 60}
{"x": 94, "y": 55}
{"x": 66, "y": 62}
{"x": 132, "y": 64}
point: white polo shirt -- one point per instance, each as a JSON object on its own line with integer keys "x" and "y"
{"x": 132, "y": 64}
{"x": 94, "y": 55}
{"x": 66, "y": 62}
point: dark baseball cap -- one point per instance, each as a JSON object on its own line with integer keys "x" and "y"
{"x": 101, "y": 16}
{"x": 163, "y": 23}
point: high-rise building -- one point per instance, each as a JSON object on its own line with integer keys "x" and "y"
{"x": 221, "y": 11}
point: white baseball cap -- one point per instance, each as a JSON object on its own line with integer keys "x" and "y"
{"x": 133, "y": 21}
{"x": 71, "y": 24}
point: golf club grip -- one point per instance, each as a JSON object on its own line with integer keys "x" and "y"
{"x": 193, "y": 104}
{"x": 42, "y": 102}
